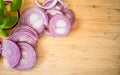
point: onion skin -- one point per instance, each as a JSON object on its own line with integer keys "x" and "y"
{"x": 28, "y": 58}
{"x": 11, "y": 53}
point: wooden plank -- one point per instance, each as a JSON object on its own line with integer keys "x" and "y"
{"x": 92, "y": 47}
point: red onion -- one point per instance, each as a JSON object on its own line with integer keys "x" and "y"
{"x": 23, "y": 36}
{"x": 34, "y": 17}
{"x": 52, "y": 18}
{"x": 52, "y": 4}
{"x": 59, "y": 25}
{"x": 28, "y": 58}
{"x": 11, "y": 53}
{"x": 69, "y": 14}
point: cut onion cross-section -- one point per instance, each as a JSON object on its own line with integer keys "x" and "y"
{"x": 20, "y": 36}
{"x": 69, "y": 13}
{"x": 34, "y": 17}
{"x": 28, "y": 58}
{"x": 59, "y": 25}
{"x": 11, "y": 53}
{"x": 25, "y": 28}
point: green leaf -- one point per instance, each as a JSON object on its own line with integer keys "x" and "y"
{"x": 3, "y": 33}
{"x": 2, "y": 7}
{"x": 15, "y": 5}
{"x": 8, "y": 22}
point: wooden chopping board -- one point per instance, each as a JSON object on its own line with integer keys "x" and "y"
{"x": 91, "y": 48}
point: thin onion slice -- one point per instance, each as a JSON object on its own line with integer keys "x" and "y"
{"x": 69, "y": 13}
{"x": 58, "y": 6}
{"x": 59, "y": 26}
{"x": 28, "y": 58}
{"x": 11, "y": 53}
{"x": 52, "y": 4}
{"x": 26, "y": 28}
{"x": 53, "y": 12}
{"x": 37, "y": 14}
{"x": 23, "y": 36}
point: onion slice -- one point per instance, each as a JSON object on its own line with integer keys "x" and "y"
{"x": 59, "y": 26}
{"x": 58, "y": 6}
{"x": 28, "y": 58}
{"x": 34, "y": 17}
{"x": 26, "y": 28}
{"x": 23, "y": 36}
{"x": 69, "y": 13}
{"x": 52, "y": 4}
{"x": 11, "y": 53}
{"x": 53, "y": 12}
{"x": 18, "y": 15}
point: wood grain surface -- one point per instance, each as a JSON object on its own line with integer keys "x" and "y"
{"x": 91, "y": 48}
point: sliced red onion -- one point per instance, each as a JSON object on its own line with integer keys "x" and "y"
{"x": 59, "y": 26}
{"x": 53, "y": 12}
{"x": 50, "y": 5}
{"x": 28, "y": 58}
{"x": 58, "y": 6}
{"x": 11, "y": 53}
{"x": 26, "y": 28}
{"x": 69, "y": 14}
{"x": 34, "y": 16}
{"x": 23, "y": 36}
{"x": 36, "y": 21}
{"x": 18, "y": 15}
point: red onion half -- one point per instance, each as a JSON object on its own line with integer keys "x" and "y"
{"x": 28, "y": 58}
{"x": 59, "y": 25}
{"x": 11, "y": 53}
{"x": 26, "y": 28}
{"x": 58, "y": 6}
